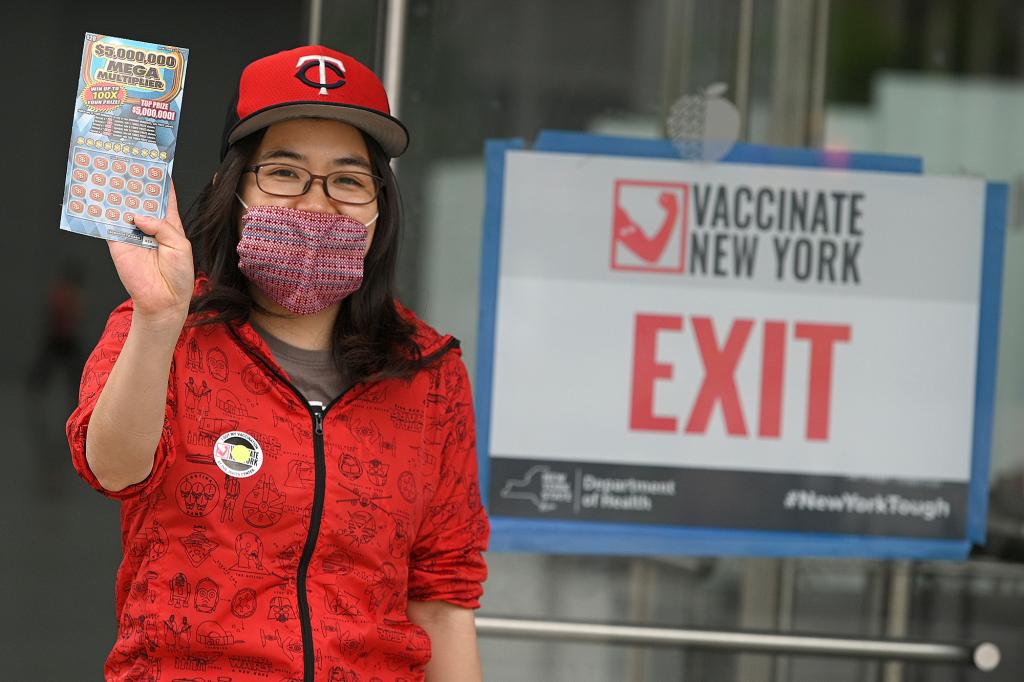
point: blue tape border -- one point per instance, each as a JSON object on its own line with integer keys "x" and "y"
{"x": 582, "y": 537}
{"x": 490, "y": 259}
{"x": 993, "y": 244}
{"x": 742, "y": 152}
{"x": 585, "y": 537}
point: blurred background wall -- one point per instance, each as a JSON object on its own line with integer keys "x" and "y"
{"x": 61, "y": 542}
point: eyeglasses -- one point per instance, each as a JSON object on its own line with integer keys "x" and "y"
{"x": 283, "y": 180}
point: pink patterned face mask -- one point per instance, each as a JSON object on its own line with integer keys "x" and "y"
{"x": 306, "y": 261}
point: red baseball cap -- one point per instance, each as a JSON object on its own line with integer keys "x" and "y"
{"x": 313, "y": 82}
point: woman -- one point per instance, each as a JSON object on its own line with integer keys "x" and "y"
{"x": 293, "y": 451}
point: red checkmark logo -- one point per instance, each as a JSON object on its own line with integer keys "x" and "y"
{"x": 649, "y": 225}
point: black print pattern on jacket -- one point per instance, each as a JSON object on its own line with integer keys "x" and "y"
{"x": 214, "y": 584}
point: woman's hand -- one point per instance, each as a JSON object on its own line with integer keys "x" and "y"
{"x": 160, "y": 281}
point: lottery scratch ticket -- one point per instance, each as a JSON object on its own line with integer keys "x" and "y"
{"x": 123, "y": 137}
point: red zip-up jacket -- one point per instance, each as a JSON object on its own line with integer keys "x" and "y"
{"x": 277, "y": 541}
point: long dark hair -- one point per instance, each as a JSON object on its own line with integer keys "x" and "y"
{"x": 370, "y": 339}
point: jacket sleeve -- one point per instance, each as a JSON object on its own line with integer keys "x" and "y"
{"x": 94, "y": 378}
{"x": 446, "y": 562}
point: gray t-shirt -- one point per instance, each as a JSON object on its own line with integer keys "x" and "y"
{"x": 312, "y": 371}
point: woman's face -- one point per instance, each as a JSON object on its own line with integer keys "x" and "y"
{"x": 321, "y": 146}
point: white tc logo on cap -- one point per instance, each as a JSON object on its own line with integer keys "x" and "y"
{"x": 325, "y": 62}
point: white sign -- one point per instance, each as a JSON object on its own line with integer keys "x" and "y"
{"x": 683, "y": 317}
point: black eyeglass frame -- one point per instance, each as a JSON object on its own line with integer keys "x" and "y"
{"x": 378, "y": 182}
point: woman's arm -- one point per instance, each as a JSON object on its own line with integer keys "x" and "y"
{"x": 126, "y": 425}
{"x": 452, "y": 631}
{"x": 446, "y": 563}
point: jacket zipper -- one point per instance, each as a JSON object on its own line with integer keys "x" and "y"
{"x": 316, "y": 514}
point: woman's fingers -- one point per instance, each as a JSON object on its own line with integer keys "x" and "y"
{"x": 157, "y": 227}
{"x": 159, "y": 280}
{"x": 165, "y": 232}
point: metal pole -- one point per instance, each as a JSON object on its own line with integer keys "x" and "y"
{"x": 898, "y": 621}
{"x": 819, "y": 69}
{"x": 394, "y": 46}
{"x": 759, "y": 608}
{"x": 984, "y": 656}
{"x": 744, "y": 47}
{"x": 677, "y": 58}
{"x": 786, "y": 608}
{"x": 642, "y": 587}
{"x": 316, "y": 12}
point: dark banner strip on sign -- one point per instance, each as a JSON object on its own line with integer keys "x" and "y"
{"x": 591, "y": 491}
